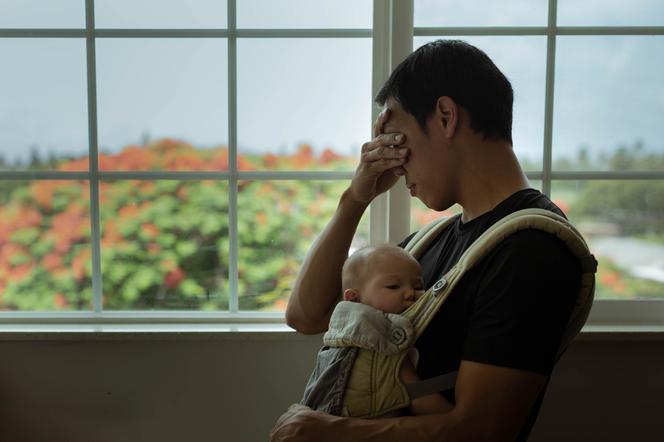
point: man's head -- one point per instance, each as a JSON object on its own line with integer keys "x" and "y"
{"x": 460, "y": 71}
{"x": 385, "y": 277}
{"x": 446, "y": 97}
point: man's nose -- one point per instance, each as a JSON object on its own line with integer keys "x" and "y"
{"x": 411, "y": 294}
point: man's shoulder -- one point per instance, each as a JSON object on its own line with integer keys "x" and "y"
{"x": 535, "y": 248}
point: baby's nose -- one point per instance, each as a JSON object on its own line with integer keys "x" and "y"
{"x": 411, "y": 294}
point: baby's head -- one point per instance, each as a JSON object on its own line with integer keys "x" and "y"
{"x": 385, "y": 277}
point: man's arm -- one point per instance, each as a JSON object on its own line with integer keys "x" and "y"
{"x": 317, "y": 288}
{"x": 492, "y": 403}
{"x": 318, "y": 285}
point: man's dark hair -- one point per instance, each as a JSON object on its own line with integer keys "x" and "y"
{"x": 460, "y": 71}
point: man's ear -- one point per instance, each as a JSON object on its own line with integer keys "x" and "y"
{"x": 351, "y": 295}
{"x": 447, "y": 115}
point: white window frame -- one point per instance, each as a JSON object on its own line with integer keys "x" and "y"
{"x": 392, "y": 36}
{"x": 605, "y": 311}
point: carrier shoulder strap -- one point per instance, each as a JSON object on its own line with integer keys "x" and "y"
{"x": 422, "y": 312}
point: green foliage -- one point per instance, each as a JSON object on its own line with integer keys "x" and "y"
{"x": 637, "y": 207}
{"x": 165, "y": 243}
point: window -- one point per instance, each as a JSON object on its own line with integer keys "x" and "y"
{"x": 176, "y": 161}
{"x": 586, "y": 123}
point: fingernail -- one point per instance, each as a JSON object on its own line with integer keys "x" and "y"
{"x": 398, "y": 138}
{"x": 403, "y": 151}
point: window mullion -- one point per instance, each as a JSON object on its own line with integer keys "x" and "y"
{"x": 548, "y": 100}
{"x": 233, "y": 295}
{"x": 402, "y": 45}
{"x": 97, "y": 302}
{"x": 381, "y": 43}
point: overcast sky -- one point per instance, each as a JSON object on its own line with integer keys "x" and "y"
{"x": 608, "y": 90}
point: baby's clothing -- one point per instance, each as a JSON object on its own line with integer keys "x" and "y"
{"x": 353, "y": 325}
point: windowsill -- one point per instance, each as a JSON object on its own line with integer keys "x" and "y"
{"x": 215, "y": 331}
{"x": 157, "y": 332}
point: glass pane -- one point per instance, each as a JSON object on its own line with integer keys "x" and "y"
{"x": 43, "y": 110}
{"x": 160, "y": 14}
{"x": 278, "y": 221}
{"x": 608, "y": 103}
{"x": 610, "y": 12}
{"x": 45, "y": 252}
{"x": 42, "y": 14}
{"x": 421, "y": 215}
{"x": 438, "y": 13}
{"x": 265, "y": 14}
{"x": 528, "y": 81}
{"x": 308, "y": 104}
{"x": 159, "y": 98}
{"x": 164, "y": 245}
{"x": 622, "y": 222}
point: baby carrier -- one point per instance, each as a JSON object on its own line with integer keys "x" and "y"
{"x": 357, "y": 372}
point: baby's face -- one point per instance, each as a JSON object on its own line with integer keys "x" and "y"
{"x": 393, "y": 283}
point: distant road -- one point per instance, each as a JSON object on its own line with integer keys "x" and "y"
{"x": 640, "y": 258}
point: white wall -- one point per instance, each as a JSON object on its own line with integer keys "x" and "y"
{"x": 232, "y": 388}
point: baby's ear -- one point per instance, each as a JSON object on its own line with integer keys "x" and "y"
{"x": 351, "y": 295}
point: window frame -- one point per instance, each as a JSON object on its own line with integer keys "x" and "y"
{"x": 604, "y": 311}
{"x": 392, "y": 36}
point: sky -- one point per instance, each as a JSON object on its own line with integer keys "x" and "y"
{"x": 608, "y": 89}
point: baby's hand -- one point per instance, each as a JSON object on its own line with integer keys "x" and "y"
{"x": 431, "y": 404}
{"x": 407, "y": 373}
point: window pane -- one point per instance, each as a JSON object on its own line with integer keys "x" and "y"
{"x": 610, "y": 12}
{"x": 155, "y": 93}
{"x": 528, "y": 81}
{"x": 421, "y": 215}
{"x": 622, "y": 222}
{"x": 45, "y": 252}
{"x": 265, "y": 14}
{"x": 43, "y": 110}
{"x": 609, "y": 98}
{"x": 438, "y": 13}
{"x": 42, "y": 14}
{"x": 160, "y": 14}
{"x": 278, "y": 221}
{"x": 294, "y": 93}
{"x": 164, "y": 245}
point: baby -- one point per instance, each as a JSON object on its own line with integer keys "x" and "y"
{"x": 388, "y": 279}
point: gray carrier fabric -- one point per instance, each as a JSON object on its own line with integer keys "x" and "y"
{"x": 327, "y": 384}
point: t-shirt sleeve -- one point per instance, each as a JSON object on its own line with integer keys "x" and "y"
{"x": 526, "y": 291}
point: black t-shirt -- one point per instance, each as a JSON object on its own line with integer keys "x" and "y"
{"x": 510, "y": 309}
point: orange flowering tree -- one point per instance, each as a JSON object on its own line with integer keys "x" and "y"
{"x": 164, "y": 243}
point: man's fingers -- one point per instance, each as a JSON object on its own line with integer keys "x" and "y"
{"x": 380, "y": 166}
{"x": 383, "y": 116}
{"x": 399, "y": 171}
{"x": 285, "y": 418}
{"x": 381, "y": 140}
{"x": 383, "y": 153}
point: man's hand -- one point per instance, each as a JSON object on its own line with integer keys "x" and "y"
{"x": 380, "y": 163}
{"x": 300, "y": 423}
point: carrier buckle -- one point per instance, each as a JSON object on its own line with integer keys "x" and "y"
{"x": 398, "y": 336}
{"x": 439, "y": 286}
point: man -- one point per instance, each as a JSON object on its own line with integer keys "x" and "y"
{"x": 446, "y": 127}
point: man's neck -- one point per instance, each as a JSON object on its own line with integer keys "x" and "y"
{"x": 489, "y": 173}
